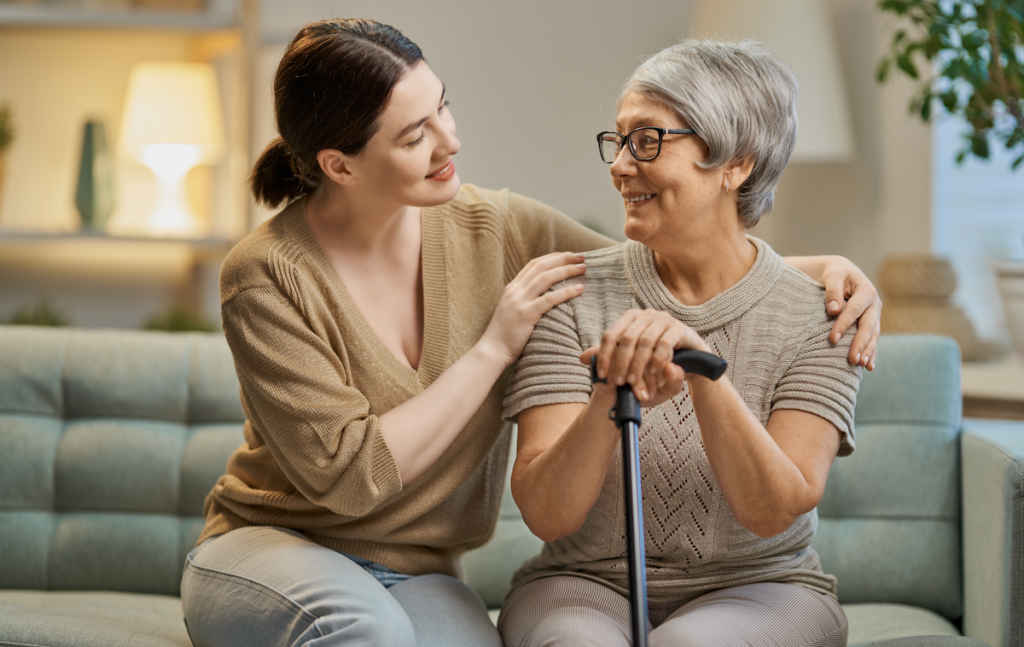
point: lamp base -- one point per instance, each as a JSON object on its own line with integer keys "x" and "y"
{"x": 172, "y": 217}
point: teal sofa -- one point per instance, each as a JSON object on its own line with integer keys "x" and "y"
{"x": 110, "y": 440}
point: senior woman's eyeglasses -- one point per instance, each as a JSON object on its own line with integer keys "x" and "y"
{"x": 644, "y": 143}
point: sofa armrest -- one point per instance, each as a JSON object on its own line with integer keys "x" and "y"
{"x": 992, "y": 480}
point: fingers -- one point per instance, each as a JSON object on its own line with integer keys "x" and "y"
{"x": 530, "y": 288}
{"x": 609, "y": 343}
{"x": 669, "y": 383}
{"x": 865, "y": 342}
{"x": 636, "y": 349}
{"x": 526, "y": 298}
{"x": 545, "y": 263}
{"x": 551, "y": 299}
{"x": 623, "y": 350}
{"x": 654, "y": 347}
{"x": 542, "y": 282}
{"x": 861, "y": 299}
{"x": 864, "y": 308}
{"x": 673, "y": 377}
{"x": 835, "y": 293}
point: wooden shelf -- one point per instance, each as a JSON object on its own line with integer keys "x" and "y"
{"x": 219, "y": 14}
{"x": 86, "y": 237}
{"x": 993, "y": 390}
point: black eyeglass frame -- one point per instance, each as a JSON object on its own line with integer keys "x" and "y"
{"x": 626, "y": 138}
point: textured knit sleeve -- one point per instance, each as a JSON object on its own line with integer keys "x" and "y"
{"x": 549, "y": 370}
{"x": 542, "y": 229}
{"x": 296, "y": 390}
{"x": 821, "y": 381}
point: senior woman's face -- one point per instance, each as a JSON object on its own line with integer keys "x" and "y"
{"x": 669, "y": 192}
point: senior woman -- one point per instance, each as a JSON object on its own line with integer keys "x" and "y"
{"x": 733, "y": 469}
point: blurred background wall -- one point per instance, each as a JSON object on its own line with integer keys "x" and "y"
{"x": 517, "y": 74}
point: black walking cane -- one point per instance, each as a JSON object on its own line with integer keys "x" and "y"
{"x": 626, "y": 415}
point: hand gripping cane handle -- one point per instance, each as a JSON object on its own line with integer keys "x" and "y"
{"x": 691, "y": 361}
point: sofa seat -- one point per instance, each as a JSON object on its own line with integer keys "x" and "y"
{"x": 871, "y": 623}
{"x": 88, "y": 618}
{"x": 91, "y": 619}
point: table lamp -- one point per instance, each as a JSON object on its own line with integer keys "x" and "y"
{"x": 172, "y": 122}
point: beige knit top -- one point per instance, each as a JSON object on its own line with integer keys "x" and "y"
{"x": 314, "y": 379}
{"x": 773, "y": 330}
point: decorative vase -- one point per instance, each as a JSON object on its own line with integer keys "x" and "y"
{"x": 94, "y": 196}
{"x": 1011, "y": 286}
{"x": 3, "y": 171}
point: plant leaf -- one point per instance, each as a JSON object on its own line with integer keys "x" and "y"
{"x": 904, "y": 63}
{"x": 882, "y": 71}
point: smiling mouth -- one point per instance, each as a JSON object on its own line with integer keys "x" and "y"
{"x": 444, "y": 169}
{"x": 641, "y": 198}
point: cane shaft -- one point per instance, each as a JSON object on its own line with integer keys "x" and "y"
{"x": 635, "y": 533}
{"x": 627, "y": 416}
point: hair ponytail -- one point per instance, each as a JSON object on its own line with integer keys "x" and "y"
{"x": 274, "y": 179}
{"x": 333, "y": 83}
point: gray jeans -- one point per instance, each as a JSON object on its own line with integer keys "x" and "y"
{"x": 271, "y": 586}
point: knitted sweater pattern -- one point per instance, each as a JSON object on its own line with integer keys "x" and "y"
{"x": 315, "y": 378}
{"x": 773, "y": 330}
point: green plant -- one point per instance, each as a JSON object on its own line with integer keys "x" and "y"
{"x": 38, "y": 313}
{"x": 6, "y": 127}
{"x": 179, "y": 318}
{"x": 976, "y": 48}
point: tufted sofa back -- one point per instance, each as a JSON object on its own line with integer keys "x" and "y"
{"x": 109, "y": 443}
{"x": 889, "y": 522}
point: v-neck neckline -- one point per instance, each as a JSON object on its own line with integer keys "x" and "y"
{"x": 434, "y": 351}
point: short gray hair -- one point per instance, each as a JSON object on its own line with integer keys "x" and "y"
{"x": 740, "y": 98}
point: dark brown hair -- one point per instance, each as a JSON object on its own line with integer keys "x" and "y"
{"x": 331, "y": 87}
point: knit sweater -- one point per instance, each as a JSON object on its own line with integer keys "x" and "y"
{"x": 772, "y": 328}
{"x": 315, "y": 378}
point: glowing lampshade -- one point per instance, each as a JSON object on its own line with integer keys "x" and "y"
{"x": 172, "y": 121}
{"x": 800, "y": 34}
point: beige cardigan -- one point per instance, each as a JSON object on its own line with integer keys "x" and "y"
{"x": 314, "y": 379}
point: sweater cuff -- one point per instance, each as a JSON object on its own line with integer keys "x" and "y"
{"x": 523, "y": 401}
{"x": 386, "y": 477}
{"x": 847, "y": 443}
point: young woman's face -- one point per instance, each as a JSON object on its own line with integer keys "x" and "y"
{"x": 409, "y": 159}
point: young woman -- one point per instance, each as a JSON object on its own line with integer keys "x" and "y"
{"x": 372, "y": 322}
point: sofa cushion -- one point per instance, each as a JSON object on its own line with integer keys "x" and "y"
{"x": 889, "y": 521}
{"x": 91, "y": 619}
{"x": 111, "y": 441}
{"x": 870, "y": 623}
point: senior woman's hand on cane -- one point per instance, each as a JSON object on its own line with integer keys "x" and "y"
{"x": 637, "y": 350}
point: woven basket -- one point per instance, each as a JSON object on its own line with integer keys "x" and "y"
{"x": 917, "y": 277}
{"x": 931, "y": 316}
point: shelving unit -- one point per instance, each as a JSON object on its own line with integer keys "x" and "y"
{"x": 218, "y": 14}
{"x": 86, "y": 53}
{"x": 202, "y": 257}
{"x": 993, "y": 390}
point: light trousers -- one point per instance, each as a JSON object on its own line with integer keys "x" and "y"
{"x": 572, "y": 611}
{"x": 272, "y": 586}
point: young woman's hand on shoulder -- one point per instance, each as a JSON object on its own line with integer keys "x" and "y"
{"x": 526, "y": 298}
